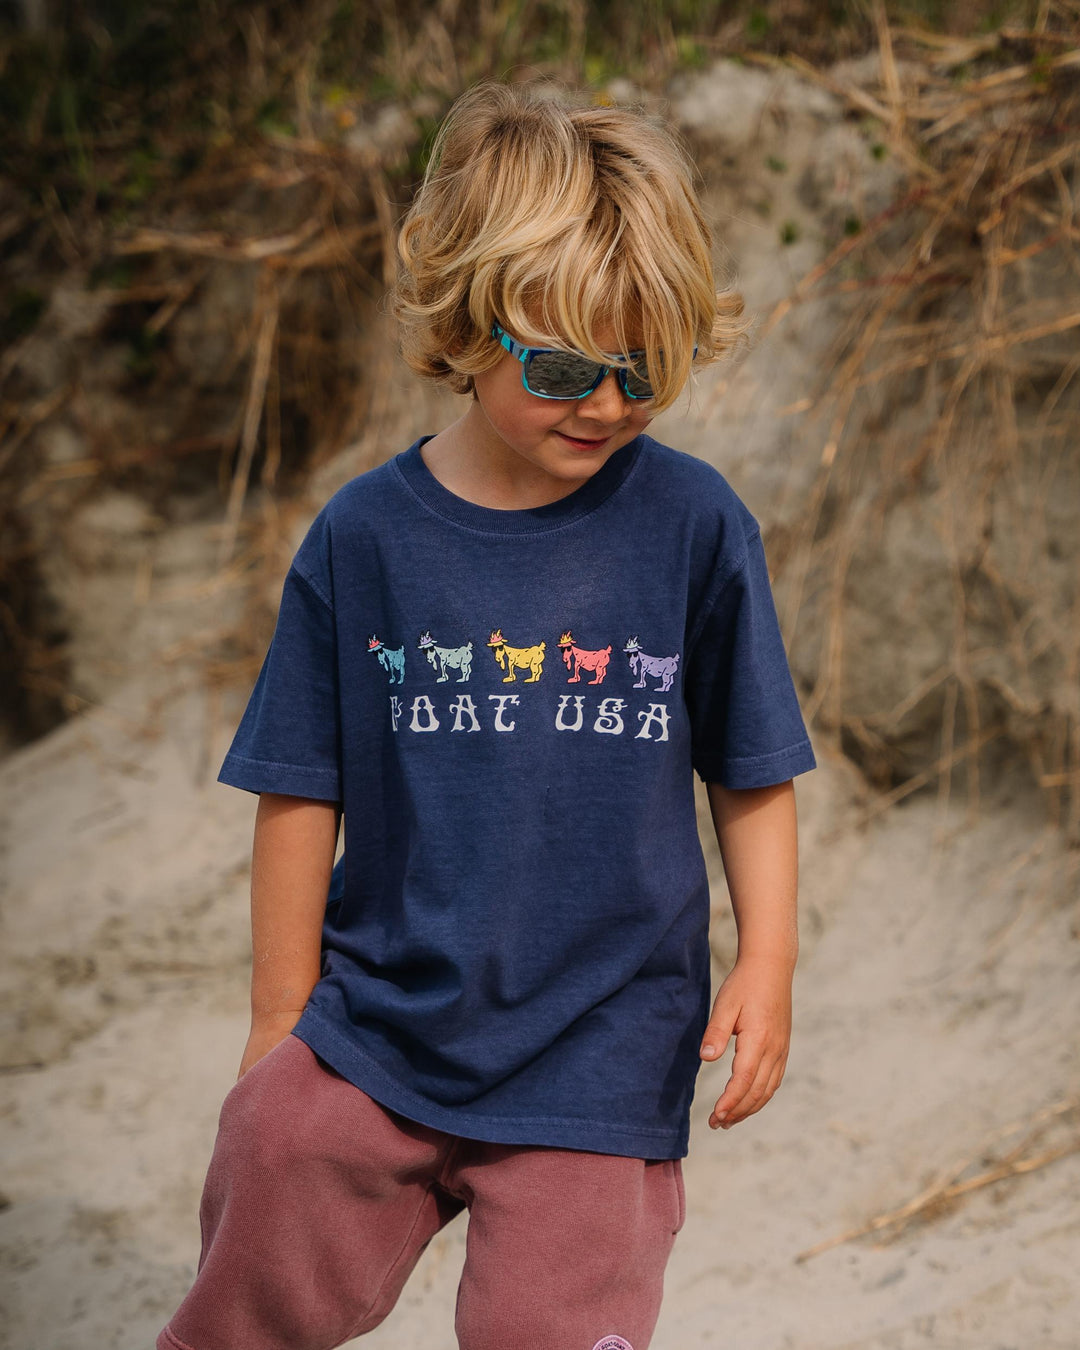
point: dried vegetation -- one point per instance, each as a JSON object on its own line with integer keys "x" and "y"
{"x": 196, "y": 225}
{"x": 1024, "y": 1146}
{"x": 197, "y": 210}
{"x": 951, "y": 416}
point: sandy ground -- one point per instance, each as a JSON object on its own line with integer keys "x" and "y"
{"x": 936, "y": 1014}
{"x": 937, "y": 994}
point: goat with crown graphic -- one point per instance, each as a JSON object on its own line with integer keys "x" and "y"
{"x": 662, "y": 668}
{"x": 446, "y": 659}
{"x": 577, "y": 660}
{"x": 517, "y": 658}
{"x": 392, "y": 660}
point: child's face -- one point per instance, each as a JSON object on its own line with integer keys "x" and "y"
{"x": 565, "y": 441}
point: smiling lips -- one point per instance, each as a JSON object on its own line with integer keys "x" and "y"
{"x": 583, "y": 444}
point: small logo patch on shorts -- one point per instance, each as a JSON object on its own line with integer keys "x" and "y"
{"x": 612, "y": 1343}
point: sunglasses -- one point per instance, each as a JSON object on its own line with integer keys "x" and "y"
{"x": 548, "y": 373}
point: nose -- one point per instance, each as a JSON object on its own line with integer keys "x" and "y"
{"x": 607, "y": 402}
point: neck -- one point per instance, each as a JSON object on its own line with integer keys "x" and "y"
{"x": 469, "y": 461}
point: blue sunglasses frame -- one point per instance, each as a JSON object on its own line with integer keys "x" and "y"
{"x": 525, "y": 354}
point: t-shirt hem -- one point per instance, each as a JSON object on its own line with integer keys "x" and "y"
{"x": 293, "y": 780}
{"x": 587, "y": 1136}
{"x": 757, "y": 770}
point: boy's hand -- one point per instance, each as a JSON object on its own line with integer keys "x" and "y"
{"x": 754, "y": 1005}
{"x": 267, "y": 1030}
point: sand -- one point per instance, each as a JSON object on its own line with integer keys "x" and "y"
{"x": 936, "y": 1008}
{"x": 936, "y": 998}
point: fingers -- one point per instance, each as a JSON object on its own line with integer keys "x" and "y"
{"x": 718, "y": 1032}
{"x": 754, "y": 1079}
{"x": 753, "y": 1006}
{"x": 714, "y": 1041}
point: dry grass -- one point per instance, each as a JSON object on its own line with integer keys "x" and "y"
{"x": 284, "y": 205}
{"x": 962, "y": 302}
{"x": 987, "y": 1167}
{"x": 292, "y": 393}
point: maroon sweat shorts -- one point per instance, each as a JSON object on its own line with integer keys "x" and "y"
{"x": 319, "y": 1202}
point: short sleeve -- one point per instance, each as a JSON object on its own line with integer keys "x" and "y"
{"x": 289, "y": 739}
{"x": 746, "y": 726}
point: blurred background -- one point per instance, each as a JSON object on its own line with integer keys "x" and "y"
{"x": 198, "y": 207}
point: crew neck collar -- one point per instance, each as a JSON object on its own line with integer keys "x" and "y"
{"x": 530, "y": 520}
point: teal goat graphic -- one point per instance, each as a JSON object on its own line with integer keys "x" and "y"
{"x": 391, "y": 661}
{"x": 446, "y": 659}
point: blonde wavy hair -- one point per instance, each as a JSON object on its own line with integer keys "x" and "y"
{"x": 557, "y": 222}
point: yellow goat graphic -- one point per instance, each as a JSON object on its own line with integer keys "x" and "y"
{"x": 519, "y": 658}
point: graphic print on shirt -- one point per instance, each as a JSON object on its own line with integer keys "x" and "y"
{"x": 661, "y": 668}
{"x": 517, "y": 658}
{"x": 392, "y": 661}
{"x": 446, "y": 659}
{"x": 613, "y": 716}
{"x": 579, "y": 660}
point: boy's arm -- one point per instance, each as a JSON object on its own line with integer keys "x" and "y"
{"x": 292, "y": 858}
{"x": 756, "y": 830}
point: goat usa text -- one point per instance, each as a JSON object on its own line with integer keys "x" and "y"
{"x": 503, "y": 712}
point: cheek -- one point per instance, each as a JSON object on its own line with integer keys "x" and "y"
{"x": 527, "y": 419}
{"x": 537, "y": 415}
{"x": 511, "y": 403}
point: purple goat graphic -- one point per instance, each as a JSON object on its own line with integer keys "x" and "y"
{"x": 661, "y": 668}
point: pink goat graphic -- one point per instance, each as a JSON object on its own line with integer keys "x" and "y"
{"x": 581, "y": 660}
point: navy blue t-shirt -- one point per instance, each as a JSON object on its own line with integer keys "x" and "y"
{"x": 510, "y": 705}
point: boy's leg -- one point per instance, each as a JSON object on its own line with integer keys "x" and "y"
{"x": 317, "y": 1205}
{"x": 566, "y": 1250}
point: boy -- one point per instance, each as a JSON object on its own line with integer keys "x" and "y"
{"x": 501, "y": 655}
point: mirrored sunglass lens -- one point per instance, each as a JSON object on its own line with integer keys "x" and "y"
{"x": 637, "y": 384}
{"x": 560, "y": 374}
